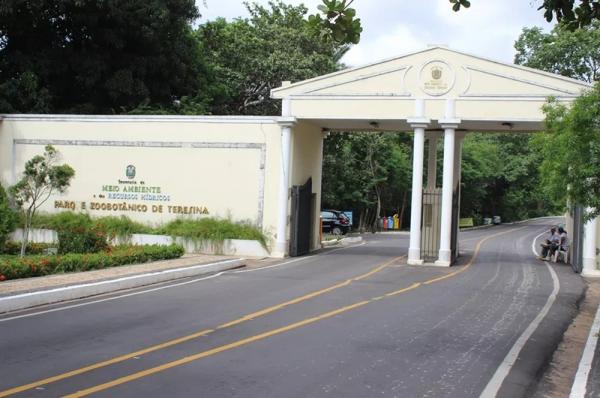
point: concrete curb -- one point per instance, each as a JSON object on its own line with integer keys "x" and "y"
{"x": 343, "y": 241}
{"x": 55, "y": 295}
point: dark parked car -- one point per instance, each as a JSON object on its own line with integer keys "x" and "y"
{"x": 335, "y": 222}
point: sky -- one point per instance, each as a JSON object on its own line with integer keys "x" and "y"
{"x": 391, "y": 28}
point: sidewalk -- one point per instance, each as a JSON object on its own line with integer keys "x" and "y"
{"x": 28, "y": 292}
{"x": 560, "y": 378}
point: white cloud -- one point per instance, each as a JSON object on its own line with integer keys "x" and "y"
{"x": 488, "y": 28}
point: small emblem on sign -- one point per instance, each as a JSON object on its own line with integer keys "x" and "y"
{"x": 436, "y": 73}
{"x": 130, "y": 172}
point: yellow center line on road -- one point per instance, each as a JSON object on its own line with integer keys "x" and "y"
{"x": 192, "y": 336}
{"x": 204, "y": 354}
{"x": 261, "y": 336}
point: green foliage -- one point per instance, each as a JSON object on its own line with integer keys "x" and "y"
{"x": 212, "y": 229}
{"x": 368, "y": 173}
{"x": 338, "y": 22}
{"x": 12, "y": 267}
{"x": 569, "y": 53}
{"x": 8, "y": 218}
{"x": 98, "y": 56}
{"x": 14, "y": 248}
{"x": 252, "y": 56}
{"x": 500, "y": 177}
{"x": 121, "y": 226}
{"x": 572, "y": 151}
{"x": 42, "y": 178}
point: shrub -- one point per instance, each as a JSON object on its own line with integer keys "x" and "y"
{"x": 8, "y": 218}
{"x": 23, "y": 267}
{"x": 213, "y": 229}
{"x": 13, "y": 248}
{"x": 76, "y": 233}
{"x": 121, "y": 226}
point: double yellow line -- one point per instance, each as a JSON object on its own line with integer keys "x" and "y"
{"x": 192, "y": 336}
{"x": 245, "y": 341}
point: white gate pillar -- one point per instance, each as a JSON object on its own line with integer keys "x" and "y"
{"x": 284, "y": 187}
{"x": 449, "y": 124}
{"x": 418, "y": 123}
{"x": 589, "y": 247}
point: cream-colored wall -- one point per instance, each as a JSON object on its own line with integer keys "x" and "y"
{"x": 306, "y": 163}
{"x": 230, "y": 166}
{"x": 483, "y": 90}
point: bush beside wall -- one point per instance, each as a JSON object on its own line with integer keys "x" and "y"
{"x": 23, "y": 267}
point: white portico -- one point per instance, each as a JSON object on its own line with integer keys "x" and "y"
{"x": 438, "y": 94}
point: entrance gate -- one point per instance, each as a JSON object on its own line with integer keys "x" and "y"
{"x": 577, "y": 241}
{"x": 301, "y": 219}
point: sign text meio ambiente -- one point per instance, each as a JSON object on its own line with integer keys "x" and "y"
{"x": 129, "y": 190}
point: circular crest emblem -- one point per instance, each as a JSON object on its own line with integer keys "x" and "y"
{"x": 436, "y": 78}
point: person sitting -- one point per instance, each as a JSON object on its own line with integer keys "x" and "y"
{"x": 563, "y": 244}
{"x": 550, "y": 244}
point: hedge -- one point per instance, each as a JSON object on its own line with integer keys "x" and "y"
{"x": 24, "y": 267}
{"x": 12, "y": 247}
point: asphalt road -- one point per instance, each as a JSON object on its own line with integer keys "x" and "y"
{"x": 350, "y": 322}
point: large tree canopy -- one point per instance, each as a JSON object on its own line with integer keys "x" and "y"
{"x": 569, "y": 53}
{"x": 571, "y": 167}
{"x": 96, "y": 56}
{"x": 570, "y": 148}
{"x": 253, "y": 55}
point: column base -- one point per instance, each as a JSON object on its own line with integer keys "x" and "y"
{"x": 279, "y": 250}
{"x": 589, "y": 266}
{"x": 590, "y": 273}
{"x": 444, "y": 258}
{"x": 414, "y": 256}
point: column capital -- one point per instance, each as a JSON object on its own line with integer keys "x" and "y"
{"x": 449, "y": 123}
{"x": 418, "y": 122}
{"x": 287, "y": 121}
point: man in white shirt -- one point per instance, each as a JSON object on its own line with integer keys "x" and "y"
{"x": 550, "y": 245}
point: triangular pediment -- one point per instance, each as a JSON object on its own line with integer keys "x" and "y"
{"x": 436, "y": 72}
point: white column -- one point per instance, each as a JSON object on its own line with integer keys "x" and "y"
{"x": 449, "y": 124}
{"x": 589, "y": 247}
{"x": 419, "y": 123}
{"x": 432, "y": 160}
{"x": 284, "y": 179}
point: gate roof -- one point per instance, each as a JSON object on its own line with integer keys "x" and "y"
{"x": 489, "y": 95}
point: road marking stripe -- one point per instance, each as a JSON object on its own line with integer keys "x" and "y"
{"x": 98, "y": 365}
{"x": 168, "y": 286}
{"x": 204, "y": 354}
{"x": 493, "y": 386}
{"x": 308, "y": 296}
{"x": 170, "y": 343}
{"x": 194, "y": 357}
{"x": 579, "y": 387}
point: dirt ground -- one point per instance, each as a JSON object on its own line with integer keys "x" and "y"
{"x": 558, "y": 379}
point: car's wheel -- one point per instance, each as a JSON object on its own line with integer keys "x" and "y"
{"x": 336, "y": 231}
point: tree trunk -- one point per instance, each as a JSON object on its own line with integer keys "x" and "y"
{"x": 26, "y": 228}
{"x": 401, "y": 215}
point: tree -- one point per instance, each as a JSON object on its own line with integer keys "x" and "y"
{"x": 367, "y": 173}
{"x": 569, "y": 53}
{"x": 254, "y": 55}
{"x": 572, "y": 151}
{"x": 339, "y": 22}
{"x": 98, "y": 56}
{"x": 7, "y": 218}
{"x": 42, "y": 177}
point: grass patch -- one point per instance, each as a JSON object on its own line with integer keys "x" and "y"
{"x": 212, "y": 229}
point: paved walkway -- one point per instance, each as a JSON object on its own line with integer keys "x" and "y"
{"x": 17, "y": 286}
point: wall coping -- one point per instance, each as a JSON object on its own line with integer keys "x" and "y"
{"x": 140, "y": 118}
